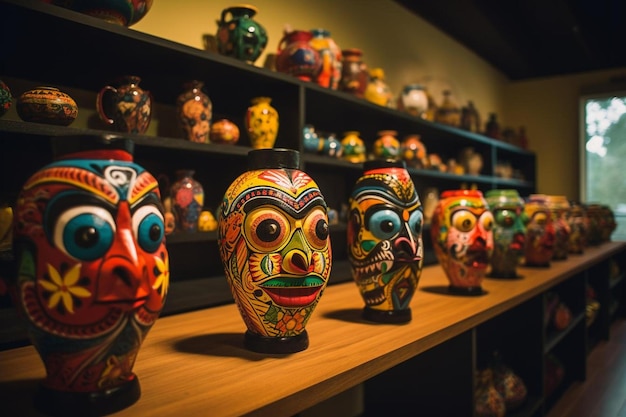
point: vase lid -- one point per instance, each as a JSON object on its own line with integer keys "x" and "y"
{"x": 69, "y": 144}
{"x": 273, "y": 158}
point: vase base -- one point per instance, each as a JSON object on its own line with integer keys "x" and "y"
{"x": 472, "y": 291}
{"x": 387, "y": 316}
{"x": 61, "y": 403}
{"x": 264, "y": 344}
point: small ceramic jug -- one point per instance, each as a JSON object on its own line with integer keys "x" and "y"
{"x": 239, "y": 35}
{"x": 274, "y": 244}
{"x": 125, "y": 106}
{"x": 354, "y": 72}
{"x": 297, "y": 57}
{"x": 462, "y": 237}
{"x": 413, "y": 152}
{"x": 92, "y": 272}
{"x": 387, "y": 145}
{"x": 353, "y": 147}
{"x": 540, "y": 234}
{"x": 413, "y": 100}
{"x": 384, "y": 240}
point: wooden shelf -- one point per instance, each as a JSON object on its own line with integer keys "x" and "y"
{"x": 195, "y": 362}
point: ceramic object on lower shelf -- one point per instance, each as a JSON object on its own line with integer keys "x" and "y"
{"x": 462, "y": 237}
{"x": 275, "y": 247}
{"x": 224, "y": 132}
{"x": 488, "y": 402}
{"x": 353, "y": 147}
{"x": 187, "y": 200}
{"x": 47, "y": 105}
{"x": 384, "y": 240}
{"x": 6, "y": 98}
{"x": 92, "y": 272}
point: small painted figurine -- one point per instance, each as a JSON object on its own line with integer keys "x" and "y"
{"x": 540, "y": 234}
{"x": 93, "y": 271}
{"x": 385, "y": 240}
{"x": 275, "y": 246}
{"x": 462, "y": 236}
{"x": 509, "y": 232}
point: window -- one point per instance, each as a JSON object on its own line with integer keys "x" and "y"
{"x": 603, "y": 154}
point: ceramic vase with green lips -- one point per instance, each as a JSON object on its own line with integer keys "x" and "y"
{"x": 385, "y": 240}
{"x": 275, "y": 247}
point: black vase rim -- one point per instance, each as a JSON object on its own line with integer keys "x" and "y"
{"x": 383, "y": 163}
{"x": 273, "y": 158}
{"x": 69, "y": 144}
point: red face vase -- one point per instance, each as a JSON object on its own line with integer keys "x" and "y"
{"x": 462, "y": 236}
{"x": 93, "y": 271}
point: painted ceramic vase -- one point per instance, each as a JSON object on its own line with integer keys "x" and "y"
{"x": 579, "y": 226}
{"x": 262, "y": 123}
{"x": 508, "y": 384}
{"x": 330, "y": 57}
{"x": 386, "y": 146}
{"x": 125, "y": 106}
{"x": 540, "y": 234}
{"x": 559, "y": 207}
{"x": 47, "y": 105}
{"x": 609, "y": 223}
{"x": 413, "y": 152}
{"x": 224, "y": 132}
{"x": 119, "y": 12}
{"x": 487, "y": 400}
{"x": 509, "y": 232}
{"x": 377, "y": 90}
{"x": 195, "y": 112}
{"x": 6, "y": 98}
{"x": 413, "y": 100}
{"x": 297, "y": 57}
{"x": 448, "y": 112}
{"x": 187, "y": 200}
{"x": 312, "y": 143}
{"x": 239, "y": 35}
{"x": 462, "y": 237}
{"x": 594, "y": 216}
{"x": 332, "y": 145}
{"x": 354, "y": 72}
{"x": 275, "y": 247}
{"x": 92, "y": 272}
{"x": 353, "y": 147}
{"x": 384, "y": 240}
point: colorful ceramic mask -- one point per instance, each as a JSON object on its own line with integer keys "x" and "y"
{"x": 275, "y": 247}
{"x": 93, "y": 271}
{"x": 509, "y": 232}
{"x": 462, "y": 236}
{"x": 540, "y": 234}
{"x": 385, "y": 240}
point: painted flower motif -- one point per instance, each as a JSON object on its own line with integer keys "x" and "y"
{"x": 291, "y": 324}
{"x": 162, "y": 280}
{"x": 64, "y": 289}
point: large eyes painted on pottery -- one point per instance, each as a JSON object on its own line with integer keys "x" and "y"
{"x": 148, "y": 227}
{"x": 84, "y": 232}
{"x": 267, "y": 230}
{"x": 504, "y": 217}
{"x": 385, "y": 224}
{"x": 315, "y": 228}
{"x": 416, "y": 221}
{"x": 486, "y": 220}
{"x": 463, "y": 220}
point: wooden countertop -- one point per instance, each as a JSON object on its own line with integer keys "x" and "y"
{"x": 195, "y": 363}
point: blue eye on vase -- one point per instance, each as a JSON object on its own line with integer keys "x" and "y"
{"x": 385, "y": 224}
{"x": 416, "y": 221}
{"x": 149, "y": 228}
{"x": 84, "y": 232}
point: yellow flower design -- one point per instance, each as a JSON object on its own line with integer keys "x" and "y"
{"x": 162, "y": 281}
{"x": 63, "y": 288}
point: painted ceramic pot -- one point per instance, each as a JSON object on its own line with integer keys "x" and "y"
{"x": 413, "y": 100}
{"x": 509, "y": 232}
{"x": 559, "y": 207}
{"x": 195, "y": 112}
{"x": 594, "y": 216}
{"x": 120, "y": 12}
{"x": 6, "y": 98}
{"x": 262, "y": 123}
{"x": 297, "y": 57}
{"x": 579, "y": 226}
{"x": 312, "y": 143}
{"x": 332, "y": 145}
{"x": 354, "y": 72}
{"x": 224, "y": 131}
{"x": 353, "y": 147}
{"x": 47, "y": 105}
{"x": 448, "y": 112}
{"x": 93, "y": 272}
{"x": 413, "y": 152}
{"x": 187, "y": 200}
{"x": 377, "y": 90}
{"x": 384, "y": 240}
{"x": 488, "y": 402}
{"x": 540, "y": 234}
{"x": 239, "y": 35}
{"x": 330, "y": 56}
{"x": 275, "y": 246}
{"x": 508, "y": 384}
{"x": 125, "y": 106}
{"x": 462, "y": 237}
{"x": 386, "y": 146}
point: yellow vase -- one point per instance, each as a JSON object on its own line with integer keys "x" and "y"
{"x": 262, "y": 123}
